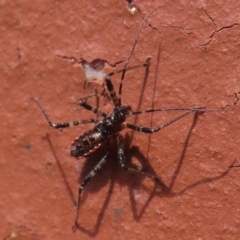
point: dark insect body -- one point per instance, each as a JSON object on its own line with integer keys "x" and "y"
{"x": 110, "y": 127}
{"x": 102, "y": 132}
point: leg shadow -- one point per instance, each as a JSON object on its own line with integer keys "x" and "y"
{"x": 94, "y": 187}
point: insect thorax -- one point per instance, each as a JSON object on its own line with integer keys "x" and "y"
{"x": 102, "y": 132}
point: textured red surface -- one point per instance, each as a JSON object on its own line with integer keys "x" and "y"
{"x": 195, "y": 49}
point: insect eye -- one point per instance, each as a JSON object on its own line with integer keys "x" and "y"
{"x": 91, "y": 139}
{"x": 85, "y": 141}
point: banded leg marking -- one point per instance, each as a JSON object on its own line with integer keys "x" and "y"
{"x": 63, "y": 124}
{"x": 111, "y": 90}
{"x": 152, "y": 130}
{"x": 194, "y": 109}
{"x": 146, "y": 65}
{"x": 83, "y": 103}
{"x": 116, "y": 99}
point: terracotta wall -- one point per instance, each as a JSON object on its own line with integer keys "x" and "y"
{"x": 195, "y": 51}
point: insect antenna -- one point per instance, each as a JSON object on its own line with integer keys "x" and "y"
{"x": 130, "y": 55}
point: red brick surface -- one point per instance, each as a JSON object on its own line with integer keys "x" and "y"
{"x": 195, "y": 49}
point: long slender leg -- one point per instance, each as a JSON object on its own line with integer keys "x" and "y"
{"x": 152, "y": 130}
{"x": 145, "y": 64}
{"x": 83, "y": 102}
{"x": 116, "y": 99}
{"x": 122, "y": 159}
{"x": 63, "y": 124}
{"x": 84, "y": 183}
{"x": 195, "y": 109}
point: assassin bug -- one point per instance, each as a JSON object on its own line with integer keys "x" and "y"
{"x": 110, "y": 126}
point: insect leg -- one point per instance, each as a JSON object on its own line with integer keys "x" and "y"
{"x": 145, "y": 64}
{"x": 194, "y": 109}
{"x": 152, "y": 130}
{"x": 63, "y": 124}
{"x": 84, "y": 183}
{"x": 111, "y": 90}
{"x": 117, "y": 99}
{"x": 83, "y": 103}
{"x": 122, "y": 159}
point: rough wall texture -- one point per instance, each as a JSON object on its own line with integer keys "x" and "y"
{"x": 195, "y": 50}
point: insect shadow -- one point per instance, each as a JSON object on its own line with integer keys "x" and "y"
{"x": 109, "y": 175}
{"x": 112, "y": 174}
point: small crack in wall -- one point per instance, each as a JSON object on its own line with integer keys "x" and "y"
{"x": 215, "y": 27}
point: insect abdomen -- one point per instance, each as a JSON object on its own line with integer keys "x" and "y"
{"x": 86, "y": 143}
